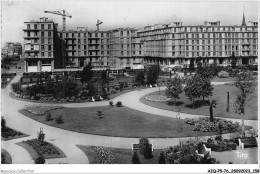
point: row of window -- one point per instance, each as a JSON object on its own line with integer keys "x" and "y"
{"x": 35, "y": 26}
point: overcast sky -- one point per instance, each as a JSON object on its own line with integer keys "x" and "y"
{"x": 115, "y": 13}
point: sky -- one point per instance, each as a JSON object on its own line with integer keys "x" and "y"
{"x": 121, "y": 13}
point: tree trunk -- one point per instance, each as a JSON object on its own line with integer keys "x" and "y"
{"x": 193, "y": 103}
{"x": 227, "y": 109}
{"x": 211, "y": 118}
{"x": 243, "y": 125}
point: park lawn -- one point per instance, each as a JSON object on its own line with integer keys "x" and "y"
{"x": 5, "y": 157}
{"x": 118, "y": 122}
{"x": 122, "y": 156}
{"x": 219, "y": 94}
{"x": 217, "y": 79}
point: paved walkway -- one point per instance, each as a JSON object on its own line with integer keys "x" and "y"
{"x": 67, "y": 140}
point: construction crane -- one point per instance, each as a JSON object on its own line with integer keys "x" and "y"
{"x": 64, "y": 14}
{"x": 98, "y": 23}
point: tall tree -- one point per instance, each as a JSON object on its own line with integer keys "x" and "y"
{"x": 139, "y": 78}
{"x": 233, "y": 60}
{"x": 87, "y": 73}
{"x": 192, "y": 90}
{"x": 174, "y": 88}
{"x": 153, "y": 74}
{"x": 246, "y": 84}
{"x": 206, "y": 89}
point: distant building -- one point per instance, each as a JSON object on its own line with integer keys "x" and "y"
{"x": 12, "y": 50}
{"x": 42, "y": 46}
{"x": 168, "y": 45}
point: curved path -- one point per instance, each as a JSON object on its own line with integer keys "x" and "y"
{"x": 67, "y": 140}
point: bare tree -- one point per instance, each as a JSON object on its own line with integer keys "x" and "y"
{"x": 246, "y": 84}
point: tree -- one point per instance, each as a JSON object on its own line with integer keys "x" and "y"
{"x": 161, "y": 159}
{"x": 41, "y": 136}
{"x": 87, "y": 73}
{"x": 228, "y": 105}
{"x": 192, "y": 90}
{"x": 233, "y": 60}
{"x": 206, "y": 89}
{"x": 212, "y": 104}
{"x": 104, "y": 76}
{"x": 135, "y": 158}
{"x": 246, "y": 84}
{"x": 174, "y": 88}
{"x": 153, "y": 74}
{"x": 139, "y": 78}
{"x": 3, "y": 124}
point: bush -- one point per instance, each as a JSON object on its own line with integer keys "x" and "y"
{"x": 111, "y": 103}
{"x": 39, "y": 160}
{"x": 223, "y": 74}
{"x": 59, "y": 119}
{"x": 48, "y": 117}
{"x": 220, "y": 145}
{"x": 145, "y": 148}
{"x": 3, "y": 124}
{"x": 119, "y": 104}
{"x": 161, "y": 159}
{"x": 135, "y": 158}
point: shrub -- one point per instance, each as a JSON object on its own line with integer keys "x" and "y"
{"x": 119, "y": 104}
{"x": 41, "y": 136}
{"x": 3, "y": 124}
{"x": 99, "y": 114}
{"x": 59, "y": 119}
{"x": 48, "y": 117}
{"x": 135, "y": 158}
{"x": 223, "y": 74}
{"x": 111, "y": 103}
{"x": 39, "y": 160}
{"x": 145, "y": 148}
{"x": 161, "y": 159}
{"x": 220, "y": 145}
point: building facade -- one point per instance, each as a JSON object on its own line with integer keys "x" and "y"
{"x": 168, "y": 45}
{"x": 12, "y": 50}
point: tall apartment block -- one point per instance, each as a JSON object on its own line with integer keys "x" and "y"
{"x": 177, "y": 45}
{"x": 169, "y": 45}
{"x": 42, "y": 46}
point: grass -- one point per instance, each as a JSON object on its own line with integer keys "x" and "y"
{"x": 118, "y": 122}
{"x": 217, "y": 79}
{"x": 5, "y": 157}
{"x": 123, "y": 156}
{"x": 219, "y": 94}
{"x": 10, "y": 134}
{"x": 35, "y": 150}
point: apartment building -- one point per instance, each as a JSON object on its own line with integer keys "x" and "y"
{"x": 177, "y": 45}
{"x": 12, "y": 49}
{"x": 169, "y": 45}
{"x": 42, "y": 49}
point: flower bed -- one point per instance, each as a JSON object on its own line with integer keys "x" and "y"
{"x": 45, "y": 149}
{"x": 157, "y": 98}
{"x": 42, "y": 109}
{"x": 220, "y": 145}
{"x": 104, "y": 156}
{"x": 203, "y": 124}
{"x": 9, "y": 134}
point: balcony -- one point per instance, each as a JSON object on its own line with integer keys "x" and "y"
{"x": 31, "y": 29}
{"x": 31, "y": 51}
{"x": 31, "y": 37}
{"x": 245, "y": 43}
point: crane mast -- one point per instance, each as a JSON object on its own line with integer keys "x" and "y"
{"x": 62, "y": 13}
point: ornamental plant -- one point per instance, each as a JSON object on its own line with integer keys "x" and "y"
{"x": 135, "y": 158}
{"x": 59, "y": 119}
{"x": 41, "y": 136}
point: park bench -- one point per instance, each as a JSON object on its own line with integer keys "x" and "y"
{"x": 98, "y": 98}
{"x": 248, "y": 142}
{"x": 137, "y": 146}
{"x": 205, "y": 151}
